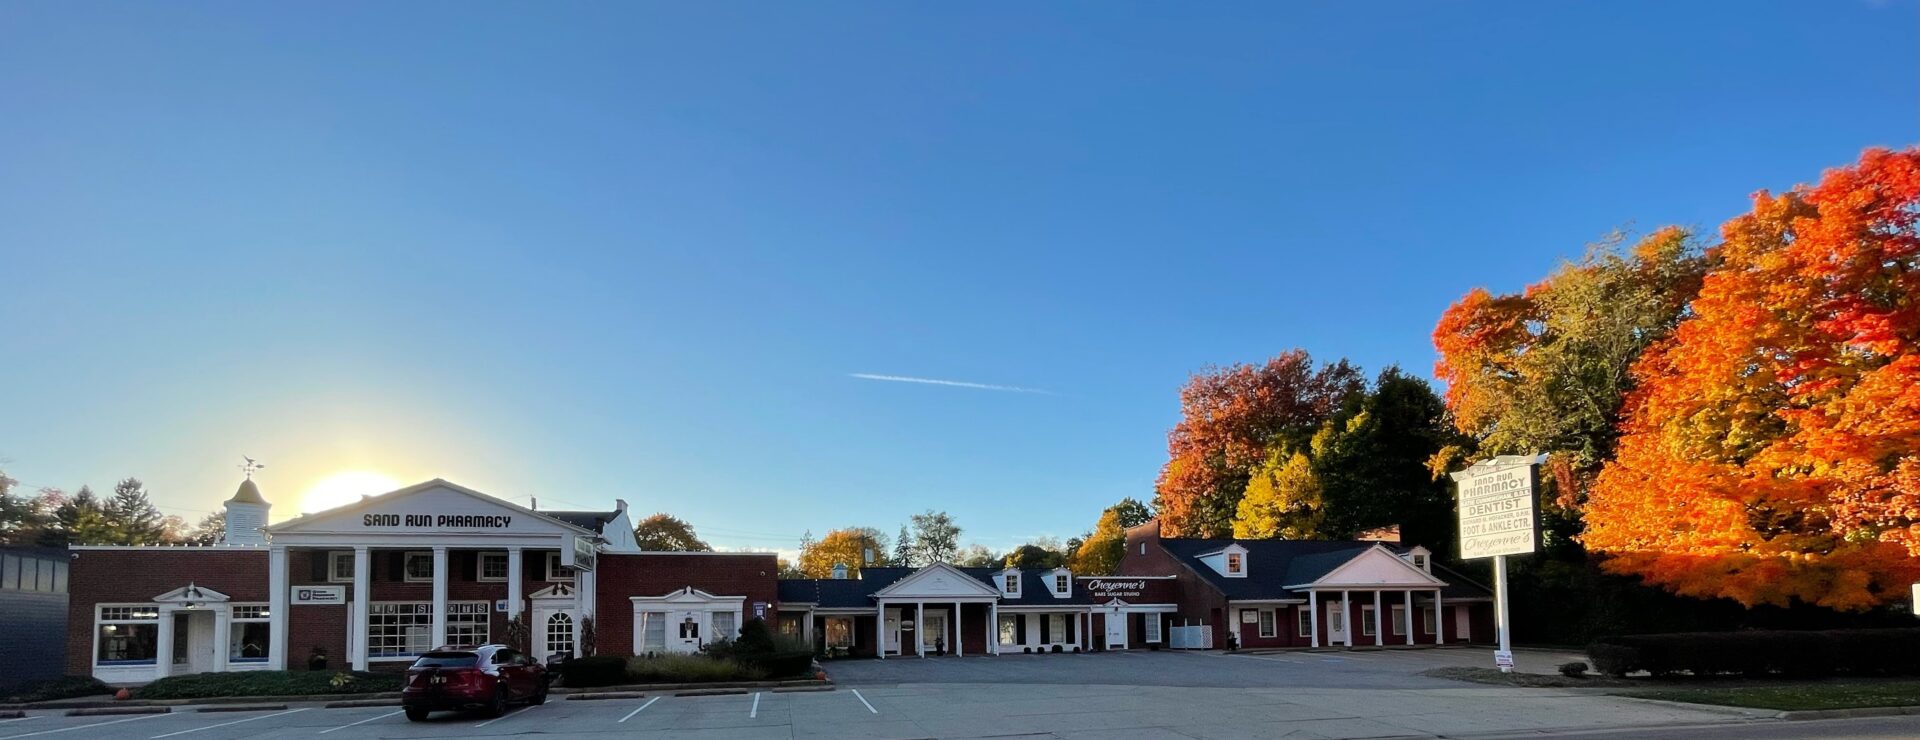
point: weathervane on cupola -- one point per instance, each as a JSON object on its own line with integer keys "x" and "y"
{"x": 247, "y": 510}
{"x": 250, "y": 465}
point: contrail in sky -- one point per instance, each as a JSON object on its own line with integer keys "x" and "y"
{"x": 949, "y": 383}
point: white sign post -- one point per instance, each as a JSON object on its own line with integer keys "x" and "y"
{"x": 1499, "y": 516}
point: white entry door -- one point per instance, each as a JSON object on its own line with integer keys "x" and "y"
{"x": 1336, "y": 623}
{"x": 685, "y": 631}
{"x": 1462, "y": 628}
{"x": 1116, "y": 630}
{"x": 933, "y": 631}
{"x": 893, "y": 631}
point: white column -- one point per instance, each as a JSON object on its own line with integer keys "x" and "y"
{"x": 1081, "y": 623}
{"x": 516, "y": 600}
{"x": 958, "y": 641}
{"x": 1313, "y": 618}
{"x": 1379, "y": 635}
{"x": 1439, "y": 620}
{"x": 993, "y": 628}
{"x": 276, "y": 607}
{"x": 439, "y": 633}
{"x": 919, "y": 626}
{"x": 1408, "y": 614}
{"x": 806, "y": 628}
{"x": 880, "y": 630}
{"x": 1346, "y": 618}
{"x": 362, "y": 608}
{"x": 1501, "y": 625}
{"x": 222, "y": 638}
{"x": 163, "y": 649}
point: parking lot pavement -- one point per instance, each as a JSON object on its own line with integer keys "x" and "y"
{"x": 939, "y": 710}
{"x": 1335, "y": 669}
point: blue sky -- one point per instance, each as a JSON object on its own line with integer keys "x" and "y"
{"x": 586, "y": 251}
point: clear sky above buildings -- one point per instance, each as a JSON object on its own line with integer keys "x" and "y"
{"x": 652, "y": 251}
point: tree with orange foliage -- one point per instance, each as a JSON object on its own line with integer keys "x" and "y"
{"x": 1771, "y": 452}
{"x": 1230, "y": 418}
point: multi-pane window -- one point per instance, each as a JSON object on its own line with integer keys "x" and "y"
{"x": 1057, "y": 626}
{"x": 493, "y": 566}
{"x": 33, "y": 574}
{"x": 1013, "y": 583}
{"x": 1303, "y": 617}
{"x": 557, "y": 572}
{"x": 1366, "y": 621}
{"x": 839, "y": 632}
{"x": 340, "y": 567}
{"x": 467, "y": 623}
{"x": 1060, "y": 583}
{"x": 1266, "y": 623}
{"x": 1233, "y": 562}
{"x": 248, "y": 638}
{"x": 399, "y": 629}
{"x": 418, "y": 566}
{"x": 1009, "y": 629}
{"x": 560, "y": 635}
{"x": 653, "y": 632}
{"x": 127, "y": 635}
{"x": 1153, "y": 628}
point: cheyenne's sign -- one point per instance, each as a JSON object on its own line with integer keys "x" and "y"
{"x": 449, "y": 521}
{"x": 1105, "y": 588}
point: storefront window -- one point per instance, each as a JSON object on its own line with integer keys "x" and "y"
{"x": 128, "y": 635}
{"x": 247, "y": 639}
{"x": 1153, "y": 628}
{"x": 493, "y": 566}
{"x": 1009, "y": 629}
{"x": 419, "y": 566}
{"x": 1057, "y": 626}
{"x": 839, "y": 632}
{"x": 1304, "y": 621}
{"x": 560, "y": 635}
{"x": 1266, "y": 623}
{"x": 653, "y": 632}
{"x": 723, "y": 628}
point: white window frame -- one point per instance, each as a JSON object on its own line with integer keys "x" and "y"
{"x": 649, "y": 620}
{"x": 1269, "y": 623}
{"x": 1009, "y": 629}
{"x": 1057, "y": 631}
{"x": 249, "y": 614}
{"x": 146, "y": 613}
{"x": 557, "y": 573}
{"x": 1235, "y": 563}
{"x": 480, "y": 567}
{"x": 1419, "y": 561}
{"x": 406, "y": 566}
{"x": 1012, "y": 584}
{"x": 1366, "y": 621}
{"x": 1062, "y": 584}
{"x": 334, "y": 559}
{"x": 1426, "y": 619}
{"x": 1397, "y": 616}
{"x": 1303, "y": 621}
{"x": 1153, "y": 627}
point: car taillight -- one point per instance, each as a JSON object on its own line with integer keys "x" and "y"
{"x": 461, "y": 676}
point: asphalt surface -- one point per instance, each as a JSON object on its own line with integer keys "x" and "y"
{"x": 1385, "y": 669}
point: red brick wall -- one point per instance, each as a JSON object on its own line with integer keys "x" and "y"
{"x": 1199, "y": 601}
{"x": 135, "y": 576}
{"x": 622, "y": 576}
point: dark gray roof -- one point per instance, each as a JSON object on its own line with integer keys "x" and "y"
{"x": 830, "y": 593}
{"x": 1037, "y": 590}
{"x": 593, "y": 521}
{"x": 1459, "y": 586}
{"x": 248, "y": 493}
{"x": 1272, "y": 565}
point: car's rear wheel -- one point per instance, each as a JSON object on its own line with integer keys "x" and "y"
{"x": 417, "y": 714}
{"x": 498, "y": 706}
{"x": 539, "y": 696}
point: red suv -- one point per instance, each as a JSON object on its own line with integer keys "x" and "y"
{"x": 489, "y": 677}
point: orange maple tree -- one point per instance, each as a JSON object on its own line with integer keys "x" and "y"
{"x": 1771, "y": 449}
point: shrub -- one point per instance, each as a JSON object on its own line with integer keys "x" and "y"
{"x": 1575, "y": 669}
{"x": 780, "y": 664}
{"x": 1762, "y": 653}
{"x": 267, "y": 683}
{"x": 755, "y": 638}
{"x": 689, "y": 669}
{"x": 67, "y": 687}
{"x": 600, "y": 670}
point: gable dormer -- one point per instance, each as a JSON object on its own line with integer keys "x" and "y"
{"x": 1060, "y": 582}
{"x": 1008, "y": 583}
{"x": 1421, "y": 558}
{"x": 1229, "y": 561}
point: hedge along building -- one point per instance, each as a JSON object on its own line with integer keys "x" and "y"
{"x": 1311, "y": 593}
{"x": 943, "y": 608}
{"x": 372, "y": 584}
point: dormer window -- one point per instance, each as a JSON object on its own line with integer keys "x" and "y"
{"x": 1233, "y": 563}
{"x": 1420, "y": 561}
{"x": 1060, "y": 583}
{"x": 1013, "y": 584}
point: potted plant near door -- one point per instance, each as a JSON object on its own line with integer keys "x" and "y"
{"x": 317, "y": 659}
{"x": 940, "y": 646}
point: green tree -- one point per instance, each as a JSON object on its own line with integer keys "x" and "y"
{"x": 132, "y": 516}
{"x": 667, "y": 533}
{"x": 1099, "y": 553}
{"x": 1373, "y": 469}
{"x": 1045, "y": 552}
{"x": 976, "y": 556}
{"x": 1283, "y": 500}
{"x": 854, "y": 547}
{"x": 903, "y": 549}
{"x": 936, "y": 538}
{"x": 211, "y": 530}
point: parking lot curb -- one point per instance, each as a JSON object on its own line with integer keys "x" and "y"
{"x": 1805, "y": 714}
{"x": 355, "y": 703}
{"x": 601, "y": 695}
{"x": 712, "y": 692}
{"x": 104, "y": 711}
{"x": 13, "y": 714}
{"x": 802, "y": 689}
{"x": 665, "y": 687}
{"x": 239, "y": 707}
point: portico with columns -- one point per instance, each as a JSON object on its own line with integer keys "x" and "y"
{"x": 937, "y": 609}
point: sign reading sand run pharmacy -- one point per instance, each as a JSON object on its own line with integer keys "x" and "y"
{"x": 1498, "y": 508}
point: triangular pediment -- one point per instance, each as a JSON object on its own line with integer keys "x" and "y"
{"x": 555, "y": 591}
{"x": 1377, "y": 566}
{"x": 433, "y": 507}
{"x": 937, "y": 580}
{"x": 191, "y": 594}
{"x": 687, "y": 595}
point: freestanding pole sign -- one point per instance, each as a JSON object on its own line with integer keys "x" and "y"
{"x": 1499, "y": 516}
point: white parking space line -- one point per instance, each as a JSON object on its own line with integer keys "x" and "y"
{"x": 637, "y": 710}
{"x": 863, "y": 700}
{"x": 755, "y": 712}
{"x": 508, "y": 716}
{"x": 21, "y": 719}
{"x": 235, "y": 722}
{"x": 362, "y": 722}
{"x": 82, "y": 727}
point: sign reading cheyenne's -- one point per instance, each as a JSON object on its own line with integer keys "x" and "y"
{"x": 444, "y": 521}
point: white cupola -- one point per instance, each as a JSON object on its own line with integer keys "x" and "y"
{"x": 247, "y": 515}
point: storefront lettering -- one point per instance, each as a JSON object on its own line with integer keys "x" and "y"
{"x": 456, "y": 521}
{"x": 1115, "y": 588}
